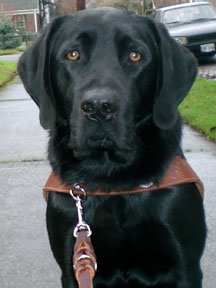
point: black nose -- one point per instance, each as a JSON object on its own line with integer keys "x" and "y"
{"x": 99, "y": 109}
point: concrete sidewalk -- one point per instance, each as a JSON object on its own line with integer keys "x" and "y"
{"x": 26, "y": 259}
{"x": 14, "y": 57}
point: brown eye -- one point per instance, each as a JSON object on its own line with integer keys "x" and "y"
{"x": 73, "y": 55}
{"x": 135, "y": 57}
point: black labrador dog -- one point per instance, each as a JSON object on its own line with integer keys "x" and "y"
{"x": 108, "y": 83}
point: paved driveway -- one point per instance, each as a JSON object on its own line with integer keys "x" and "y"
{"x": 14, "y": 57}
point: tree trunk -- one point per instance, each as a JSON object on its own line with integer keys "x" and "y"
{"x": 80, "y": 5}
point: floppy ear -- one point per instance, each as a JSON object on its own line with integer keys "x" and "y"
{"x": 34, "y": 71}
{"x": 177, "y": 72}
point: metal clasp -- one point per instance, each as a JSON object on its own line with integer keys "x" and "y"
{"x": 81, "y": 225}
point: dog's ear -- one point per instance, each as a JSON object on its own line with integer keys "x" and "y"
{"x": 34, "y": 71}
{"x": 176, "y": 74}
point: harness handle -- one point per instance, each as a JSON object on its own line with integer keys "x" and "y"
{"x": 84, "y": 260}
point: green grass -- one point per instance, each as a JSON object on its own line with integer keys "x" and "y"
{"x": 199, "y": 107}
{"x": 12, "y": 51}
{"x": 7, "y": 72}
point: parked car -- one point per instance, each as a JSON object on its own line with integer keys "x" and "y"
{"x": 192, "y": 25}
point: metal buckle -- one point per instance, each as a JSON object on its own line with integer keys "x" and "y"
{"x": 77, "y": 187}
{"x": 81, "y": 225}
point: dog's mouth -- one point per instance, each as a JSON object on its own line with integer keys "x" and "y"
{"x": 100, "y": 142}
{"x": 101, "y": 146}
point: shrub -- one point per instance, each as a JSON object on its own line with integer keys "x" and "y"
{"x": 7, "y": 38}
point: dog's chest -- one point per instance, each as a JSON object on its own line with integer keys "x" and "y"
{"x": 117, "y": 220}
{"x": 116, "y": 212}
{"x": 124, "y": 234}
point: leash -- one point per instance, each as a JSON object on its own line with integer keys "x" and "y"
{"x": 84, "y": 258}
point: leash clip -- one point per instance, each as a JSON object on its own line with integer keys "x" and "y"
{"x": 81, "y": 225}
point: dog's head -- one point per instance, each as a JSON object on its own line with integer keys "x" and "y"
{"x": 103, "y": 72}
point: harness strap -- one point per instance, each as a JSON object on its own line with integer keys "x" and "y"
{"x": 178, "y": 172}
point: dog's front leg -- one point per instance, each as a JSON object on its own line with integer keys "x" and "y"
{"x": 60, "y": 223}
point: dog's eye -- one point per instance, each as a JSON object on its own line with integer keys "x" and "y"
{"x": 73, "y": 55}
{"x": 135, "y": 57}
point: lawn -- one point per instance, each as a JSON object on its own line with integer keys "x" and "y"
{"x": 199, "y": 107}
{"x": 7, "y": 72}
{"x": 11, "y": 51}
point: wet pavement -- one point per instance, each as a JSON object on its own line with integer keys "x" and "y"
{"x": 207, "y": 67}
{"x": 26, "y": 259}
{"x": 23, "y": 139}
{"x": 13, "y": 57}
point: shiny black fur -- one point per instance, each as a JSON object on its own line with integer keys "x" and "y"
{"x": 153, "y": 239}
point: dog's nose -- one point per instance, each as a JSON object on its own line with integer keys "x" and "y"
{"x": 99, "y": 109}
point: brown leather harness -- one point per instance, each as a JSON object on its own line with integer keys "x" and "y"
{"x": 84, "y": 259}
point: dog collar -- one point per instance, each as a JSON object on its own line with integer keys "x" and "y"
{"x": 178, "y": 172}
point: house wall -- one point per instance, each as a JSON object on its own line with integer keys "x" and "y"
{"x": 29, "y": 23}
